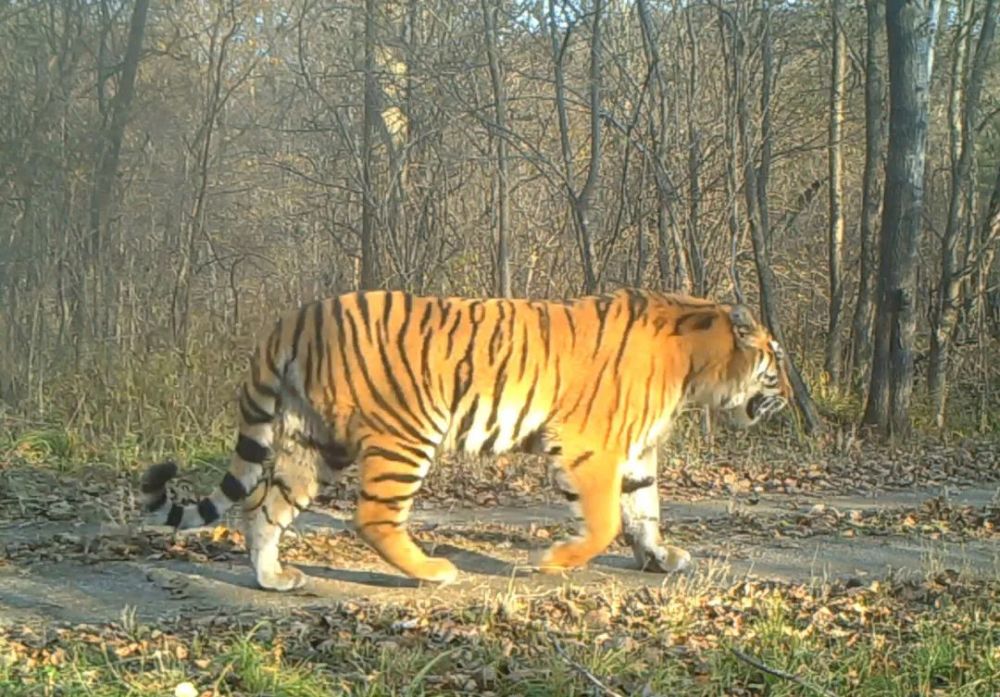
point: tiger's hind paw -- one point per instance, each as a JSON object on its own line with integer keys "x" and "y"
{"x": 662, "y": 558}
{"x": 288, "y": 579}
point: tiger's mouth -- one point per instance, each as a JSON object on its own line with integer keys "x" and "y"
{"x": 761, "y": 405}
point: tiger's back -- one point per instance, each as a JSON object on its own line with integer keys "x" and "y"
{"x": 481, "y": 376}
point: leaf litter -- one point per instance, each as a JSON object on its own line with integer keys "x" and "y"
{"x": 509, "y": 643}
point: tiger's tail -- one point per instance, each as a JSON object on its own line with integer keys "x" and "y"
{"x": 258, "y": 403}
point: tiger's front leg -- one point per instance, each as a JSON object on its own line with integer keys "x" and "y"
{"x": 641, "y": 517}
{"x": 591, "y": 481}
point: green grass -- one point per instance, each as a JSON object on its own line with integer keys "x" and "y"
{"x": 886, "y": 640}
{"x": 956, "y": 651}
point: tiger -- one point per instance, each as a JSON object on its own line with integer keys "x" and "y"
{"x": 389, "y": 380}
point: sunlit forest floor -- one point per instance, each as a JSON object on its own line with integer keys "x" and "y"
{"x": 835, "y": 566}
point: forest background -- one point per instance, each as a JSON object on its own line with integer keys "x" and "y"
{"x": 171, "y": 174}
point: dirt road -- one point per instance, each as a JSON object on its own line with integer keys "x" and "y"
{"x": 69, "y": 571}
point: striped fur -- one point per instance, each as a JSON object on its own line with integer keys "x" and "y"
{"x": 389, "y": 379}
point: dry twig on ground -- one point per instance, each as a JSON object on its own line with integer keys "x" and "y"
{"x": 764, "y": 668}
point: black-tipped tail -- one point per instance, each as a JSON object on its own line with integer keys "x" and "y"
{"x": 157, "y": 504}
{"x": 154, "y": 485}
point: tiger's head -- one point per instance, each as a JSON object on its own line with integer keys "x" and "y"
{"x": 757, "y": 374}
{"x": 743, "y": 378}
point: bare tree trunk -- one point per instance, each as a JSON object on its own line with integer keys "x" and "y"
{"x": 985, "y": 247}
{"x": 694, "y": 162}
{"x": 731, "y": 43}
{"x": 758, "y": 235}
{"x": 500, "y": 108}
{"x": 370, "y": 116}
{"x": 108, "y": 154}
{"x": 766, "y": 87}
{"x": 219, "y": 87}
{"x": 668, "y": 233}
{"x": 861, "y": 345}
{"x": 911, "y": 29}
{"x": 836, "y": 222}
{"x": 945, "y": 307}
{"x": 962, "y": 118}
{"x": 989, "y": 237}
{"x": 580, "y": 203}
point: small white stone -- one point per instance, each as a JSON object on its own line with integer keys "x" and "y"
{"x": 185, "y": 689}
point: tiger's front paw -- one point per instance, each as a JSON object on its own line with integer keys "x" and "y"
{"x": 541, "y": 560}
{"x": 662, "y": 558}
{"x": 437, "y": 571}
{"x": 559, "y": 558}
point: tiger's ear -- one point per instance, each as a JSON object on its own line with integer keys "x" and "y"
{"x": 744, "y": 325}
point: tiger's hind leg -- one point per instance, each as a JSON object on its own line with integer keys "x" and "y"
{"x": 288, "y": 489}
{"x": 391, "y": 473}
{"x": 595, "y": 479}
{"x": 641, "y": 517}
